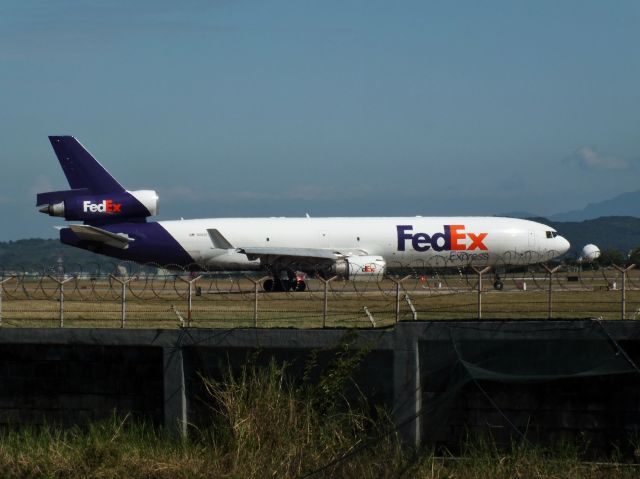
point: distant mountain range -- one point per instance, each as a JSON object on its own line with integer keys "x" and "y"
{"x": 625, "y": 204}
{"x": 47, "y": 254}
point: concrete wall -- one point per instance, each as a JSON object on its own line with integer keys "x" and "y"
{"x": 543, "y": 379}
{"x": 71, "y": 384}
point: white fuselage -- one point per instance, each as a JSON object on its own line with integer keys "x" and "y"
{"x": 401, "y": 241}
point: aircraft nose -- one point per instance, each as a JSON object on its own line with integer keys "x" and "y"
{"x": 563, "y": 244}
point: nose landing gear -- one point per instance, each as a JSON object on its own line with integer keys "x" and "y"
{"x": 497, "y": 281}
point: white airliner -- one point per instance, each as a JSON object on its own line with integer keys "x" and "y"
{"x": 114, "y": 224}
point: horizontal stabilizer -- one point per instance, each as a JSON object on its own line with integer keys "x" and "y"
{"x": 53, "y": 197}
{"x": 98, "y": 235}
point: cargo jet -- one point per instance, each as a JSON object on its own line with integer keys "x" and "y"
{"x": 114, "y": 223}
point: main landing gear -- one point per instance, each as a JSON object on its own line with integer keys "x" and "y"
{"x": 497, "y": 283}
{"x": 287, "y": 281}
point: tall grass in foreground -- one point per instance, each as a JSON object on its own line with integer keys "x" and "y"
{"x": 263, "y": 426}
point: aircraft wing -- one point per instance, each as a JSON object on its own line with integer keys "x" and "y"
{"x": 98, "y": 235}
{"x": 268, "y": 254}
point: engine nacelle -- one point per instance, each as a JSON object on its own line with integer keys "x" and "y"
{"x": 128, "y": 204}
{"x": 360, "y": 267}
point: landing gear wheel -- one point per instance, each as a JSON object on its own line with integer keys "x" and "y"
{"x": 276, "y": 285}
{"x": 268, "y": 285}
{"x": 299, "y": 286}
{"x": 498, "y": 285}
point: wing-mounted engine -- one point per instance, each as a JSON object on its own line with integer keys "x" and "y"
{"x": 78, "y": 205}
{"x": 359, "y": 267}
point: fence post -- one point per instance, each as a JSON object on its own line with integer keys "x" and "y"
{"x": 1, "y": 291}
{"x": 61, "y": 284}
{"x": 623, "y": 272}
{"x": 123, "y": 283}
{"x": 411, "y": 306}
{"x": 551, "y": 271}
{"x": 480, "y": 272}
{"x": 255, "y": 282}
{"x": 325, "y": 309}
{"x": 189, "y": 296}
{"x": 370, "y": 316}
{"x": 398, "y": 282}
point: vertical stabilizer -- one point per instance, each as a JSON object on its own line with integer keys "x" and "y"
{"x": 81, "y": 169}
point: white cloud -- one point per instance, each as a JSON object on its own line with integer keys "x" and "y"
{"x": 590, "y": 159}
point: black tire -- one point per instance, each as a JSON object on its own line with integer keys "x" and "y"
{"x": 268, "y": 285}
{"x": 299, "y": 286}
{"x": 498, "y": 285}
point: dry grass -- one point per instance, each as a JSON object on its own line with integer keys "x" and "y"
{"x": 262, "y": 426}
{"x": 222, "y": 302}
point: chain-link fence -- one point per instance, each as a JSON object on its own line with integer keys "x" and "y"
{"x": 133, "y": 295}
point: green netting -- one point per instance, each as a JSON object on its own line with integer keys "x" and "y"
{"x": 478, "y": 376}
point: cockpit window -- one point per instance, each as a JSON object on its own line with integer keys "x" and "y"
{"x": 551, "y": 234}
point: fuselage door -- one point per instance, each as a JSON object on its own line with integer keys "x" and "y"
{"x": 532, "y": 240}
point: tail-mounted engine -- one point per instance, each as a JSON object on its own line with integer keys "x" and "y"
{"x": 76, "y": 205}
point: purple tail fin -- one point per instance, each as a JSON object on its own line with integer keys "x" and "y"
{"x": 82, "y": 170}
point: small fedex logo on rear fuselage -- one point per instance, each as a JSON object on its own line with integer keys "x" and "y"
{"x": 454, "y": 238}
{"x": 106, "y": 206}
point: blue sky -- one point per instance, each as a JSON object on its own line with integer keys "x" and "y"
{"x": 254, "y": 108}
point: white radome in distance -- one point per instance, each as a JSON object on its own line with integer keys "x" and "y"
{"x": 589, "y": 253}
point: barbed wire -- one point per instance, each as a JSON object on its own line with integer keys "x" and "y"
{"x": 95, "y": 281}
{"x": 425, "y": 289}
